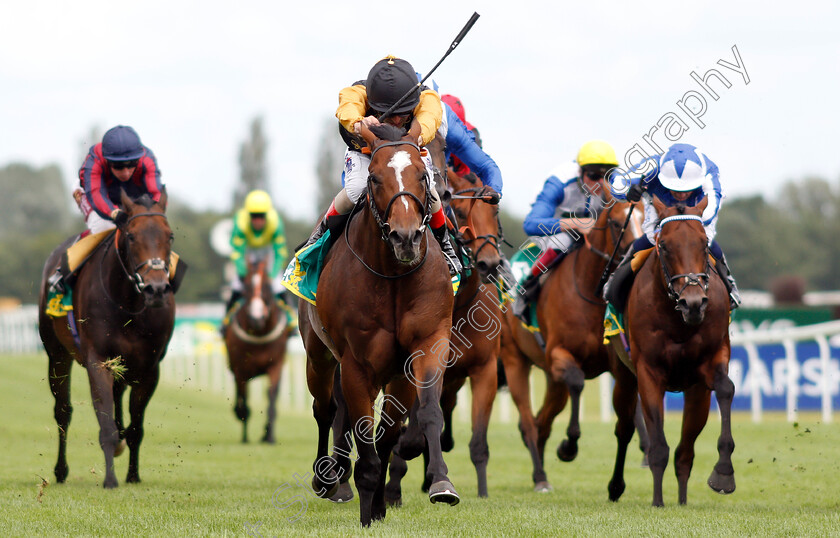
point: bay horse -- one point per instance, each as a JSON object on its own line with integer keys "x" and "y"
{"x": 256, "y": 342}
{"x": 474, "y": 346}
{"x": 677, "y": 324}
{"x": 571, "y": 318}
{"x": 384, "y": 311}
{"x": 125, "y": 308}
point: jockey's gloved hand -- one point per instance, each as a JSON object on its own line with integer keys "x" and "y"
{"x": 491, "y": 196}
{"x": 635, "y": 192}
{"x": 119, "y": 217}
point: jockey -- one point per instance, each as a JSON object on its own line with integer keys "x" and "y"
{"x": 565, "y": 210}
{"x": 388, "y": 80}
{"x": 463, "y": 148}
{"x": 119, "y": 162}
{"x": 680, "y": 175}
{"x": 257, "y": 227}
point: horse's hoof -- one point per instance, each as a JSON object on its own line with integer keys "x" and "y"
{"x": 268, "y": 440}
{"x": 543, "y": 487}
{"x": 344, "y": 494}
{"x": 110, "y": 482}
{"x": 427, "y": 483}
{"x": 322, "y": 489}
{"x": 132, "y": 478}
{"x": 567, "y": 451}
{"x": 444, "y": 492}
{"x": 615, "y": 490}
{"x": 120, "y": 448}
{"x": 395, "y": 502}
{"x": 61, "y": 472}
{"x": 722, "y": 483}
{"x": 447, "y": 444}
{"x": 645, "y": 463}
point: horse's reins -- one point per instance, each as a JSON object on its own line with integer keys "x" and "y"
{"x": 606, "y": 274}
{"x": 136, "y": 278}
{"x": 382, "y": 223}
{"x": 491, "y": 239}
{"x": 691, "y": 279}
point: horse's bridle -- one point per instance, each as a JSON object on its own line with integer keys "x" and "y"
{"x": 382, "y": 223}
{"x": 382, "y": 220}
{"x": 489, "y": 239}
{"x": 691, "y": 279}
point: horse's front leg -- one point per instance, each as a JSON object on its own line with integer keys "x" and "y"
{"x": 119, "y": 390}
{"x": 138, "y": 400}
{"x": 695, "y": 415}
{"x": 626, "y": 409}
{"x": 652, "y": 393}
{"x": 240, "y": 408}
{"x": 722, "y": 478}
{"x": 427, "y": 375}
{"x": 102, "y": 394}
{"x": 319, "y": 378}
{"x": 60, "y": 367}
{"x": 359, "y": 394}
{"x": 393, "y": 411}
{"x": 273, "y": 389}
{"x": 565, "y": 368}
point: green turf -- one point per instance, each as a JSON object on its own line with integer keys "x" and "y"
{"x": 199, "y": 480}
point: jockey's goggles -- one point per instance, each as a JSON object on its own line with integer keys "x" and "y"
{"x": 595, "y": 173}
{"x": 119, "y": 165}
{"x": 257, "y": 215}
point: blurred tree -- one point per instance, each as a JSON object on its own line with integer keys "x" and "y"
{"x": 253, "y": 171}
{"x": 330, "y": 162}
{"x": 34, "y": 201}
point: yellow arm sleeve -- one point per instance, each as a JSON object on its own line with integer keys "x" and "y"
{"x": 352, "y": 104}
{"x": 428, "y": 113}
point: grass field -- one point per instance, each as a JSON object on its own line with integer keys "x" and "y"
{"x": 198, "y": 480}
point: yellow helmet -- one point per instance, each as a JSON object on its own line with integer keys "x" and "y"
{"x": 596, "y": 152}
{"x": 258, "y": 202}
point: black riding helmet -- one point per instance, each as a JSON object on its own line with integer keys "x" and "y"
{"x": 388, "y": 80}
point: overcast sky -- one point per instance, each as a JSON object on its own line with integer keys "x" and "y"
{"x": 537, "y": 78}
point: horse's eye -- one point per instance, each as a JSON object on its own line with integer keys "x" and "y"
{"x": 373, "y": 179}
{"x": 130, "y": 237}
{"x": 171, "y": 238}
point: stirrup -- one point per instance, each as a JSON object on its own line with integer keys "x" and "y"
{"x": 316, "y": 235}
{"x": 56, "y": 282}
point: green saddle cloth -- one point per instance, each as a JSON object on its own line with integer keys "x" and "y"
{"x": 58, "y": 304}
{"x": 522, "y": 262}
{"x": 304, "y": 269}
{"x": 613, "y": 323}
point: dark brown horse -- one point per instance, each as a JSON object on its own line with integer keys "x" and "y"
{"x": 125, "y": 308}
{"x": 384, "y": 312}
{"x": 677, "y": 323}
{"x": 256, "y": 343}
{"x": 474, "y": 344}
{"x": 571, "y": 318}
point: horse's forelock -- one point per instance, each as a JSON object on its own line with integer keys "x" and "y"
{"x": 145, "y": 200}
{"x": 386, "y": 131}
{"x": 680, "y": 209}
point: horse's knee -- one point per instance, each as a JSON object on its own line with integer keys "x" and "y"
{"x": 63, "y": 413}
{"x": 658, "y": 455}
{"x": 242, "y": 411}
{"x": 724, "y": 387}
{"x": 134, "y": 435}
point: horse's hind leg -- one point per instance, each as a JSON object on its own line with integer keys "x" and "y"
{"x": 273, "y": 389}
{"x": 393, "y": 488}
{"x": 644, "y": 440}
{"x": 556, "y": 396}
{"x": 625, "y": 405}
{"x": 102, "y": 394}
{"x": 517, "y": 371}
{"x": 60, "y": 367}
{"x": 240, "y": 408}
{"x": 342, "y": 443}
{"x": 695, "y": 415}
{"x": 563, "y": 366}
{"x": 483, "y": 384}
{"x": 722, "y": 478}
{"x": 137, "y": 402}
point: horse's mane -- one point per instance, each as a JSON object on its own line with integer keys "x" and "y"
{"x": 680, "y": 209}
{"x": 145, "y": 200}
{"x": 386, "y": 131}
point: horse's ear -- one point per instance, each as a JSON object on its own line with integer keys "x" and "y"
{"x": 164, "y": 198}
{"x": 126, "y": 202}
{"x": 415, "y": 130}
{"x": 659, "y": 205}
{"x": 368, "y": 136}
{"x": 700, "y": 208}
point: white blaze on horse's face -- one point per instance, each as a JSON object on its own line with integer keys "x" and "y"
{"x": 399, "y": 162}
{"x": 257, "y": 307}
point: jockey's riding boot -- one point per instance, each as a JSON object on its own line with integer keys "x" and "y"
{"x": 56, "y": 282}
{"x": 234, "y": 296}
{"x": 442, "y": 236}
{"x": 612, "y": 289}
{"x": 316, "y": 235}
{"x": 729, "y": 282}
{"x": 530, "y": 292}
